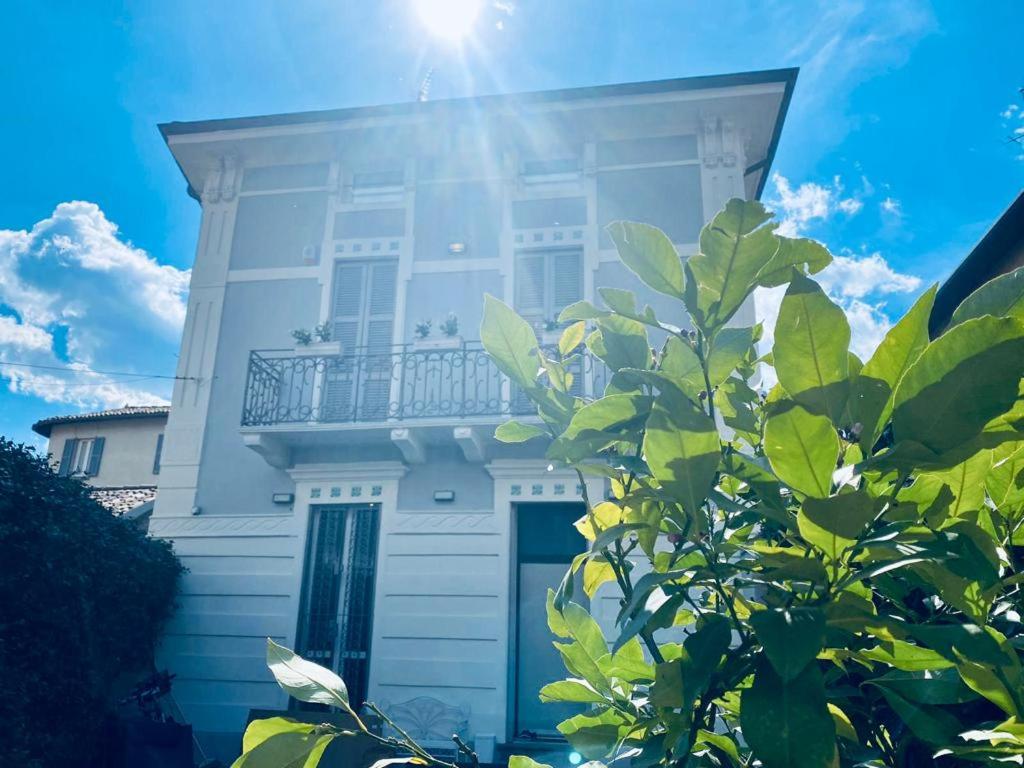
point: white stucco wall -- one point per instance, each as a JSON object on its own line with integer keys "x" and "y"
{"x": 128, "y": 451}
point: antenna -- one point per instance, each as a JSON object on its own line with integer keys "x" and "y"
{"x": 424, "y": 92}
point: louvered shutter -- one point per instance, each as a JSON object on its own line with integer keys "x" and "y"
{"x": 338, "y": 399}
{"x": 66, "y": 456}
{"x": 95, "y": 457}
{"x": 348, "y": 305}
{"x": 566, "y": 279}
{"x": 530, "y": 287}
{"x": 380, "y": 323}
{"x": 159, "y": 450}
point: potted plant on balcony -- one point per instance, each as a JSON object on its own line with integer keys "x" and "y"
{"x": 317, "y": 343}
{"x": 421, "y": 336}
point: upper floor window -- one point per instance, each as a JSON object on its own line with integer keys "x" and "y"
{"x": 159, "y": 451}
{"x": 547, "y": 282}
{"x": 81, "y": 457}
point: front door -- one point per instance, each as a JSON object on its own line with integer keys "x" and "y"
{"x": 357, "y": 386}
{"x": 337, "y": 596}
{"x": 546, "y": 543}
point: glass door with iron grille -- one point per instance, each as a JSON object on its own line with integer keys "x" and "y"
{"x": 337, "y": 598}
{"x": 357, "y": 385}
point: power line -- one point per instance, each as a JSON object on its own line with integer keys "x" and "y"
{"x": 79, "y": 371}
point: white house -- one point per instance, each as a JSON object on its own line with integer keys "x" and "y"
{"x": 347, "y": 498}
{"x": 117, "y": 452}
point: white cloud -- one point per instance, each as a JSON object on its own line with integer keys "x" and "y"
{"x": 859, "y": 286}
{"x": 809, "y": 202}
{"x": 20, "y": 336}
{"x": 852, "y": 277}
{"x": 892, "y": 206}
{"x": 72, "y": 276}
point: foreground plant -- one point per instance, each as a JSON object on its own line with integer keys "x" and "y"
{"x": 825, "y": 574}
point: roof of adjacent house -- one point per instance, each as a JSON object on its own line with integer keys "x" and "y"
{"x": 44, "y": 426}
{"x": 991, "y": 257}
{"x": 125, "y": 500}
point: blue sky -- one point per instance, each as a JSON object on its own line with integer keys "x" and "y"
{"x": 894, "y": 153}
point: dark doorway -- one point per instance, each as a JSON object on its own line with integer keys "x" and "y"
{"x": 546, "y": 543}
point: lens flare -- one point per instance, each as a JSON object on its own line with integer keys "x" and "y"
{"x": 451, "y": 20}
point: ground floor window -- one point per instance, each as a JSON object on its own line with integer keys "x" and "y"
{"x": 546, "y": 543}
{"x": 336, "y": 618}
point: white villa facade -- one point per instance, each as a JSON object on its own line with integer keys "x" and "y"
{"x": 347, "y": 497}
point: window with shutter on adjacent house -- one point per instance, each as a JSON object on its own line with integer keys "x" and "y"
{"x": 159, "y": 450}
{"x": 547, "y": 282}
{"x": 81, "y": 457}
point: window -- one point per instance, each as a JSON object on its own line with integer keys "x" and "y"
{"x": 547, "y": 282}
{"x": 159, "y": 450}
{"x": 81, "y": 457}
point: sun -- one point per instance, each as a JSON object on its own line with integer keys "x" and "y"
{"x": 451, "y": 20}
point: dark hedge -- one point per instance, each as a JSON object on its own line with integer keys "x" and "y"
{"x": 83, "y": 598}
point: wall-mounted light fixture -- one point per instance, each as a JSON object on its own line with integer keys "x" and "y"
{"x": 456, "y": 248}
{"x": 444, "y": 496}
{"x": 283, "y": 498}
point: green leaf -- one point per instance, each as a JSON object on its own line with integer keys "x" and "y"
{"x": 962, "y": 380}
{"x": 793, "y": 252}
{"x": 571, "y": 690}
{"x": 259, "y": 731}
{"x": 597, "y": 424}
{"x": 585, "y": 630}
{"x": 787, "y": 723}
{"x": 1005, "y": 480}
{"x": 581, "y": 310}
{"x": 556, "y": 623}
{"x": 648, "y": 252}
{"x": 682, "y": 448}
{"x": 906, "y": 656}
{"x": 679, "y": 682}
{"x": 304, "y": 680}
{"x": 873, "y": 389}
{"x": 510, "y": 342}
{"x": 623, "y": 343}
{"x": 812, "y": 338}
{"x": 731, "y": 346}
{"x": 734, "y": 249}
{"x": 682, "y": 366}
{"x": 803, "y": 449}
{"x": 521, "y": 761}
{"x": 287, "y": 749}
{"x": 517, "y": 432}
{"x": 571, "y": 337}
{"x": 844, "y": 728}
{"x": 593, "y": 736}
{"x": 619, "y": 300}
{"x": 928, "y": 723}
{"x": 936, "y": 687}
{"x": 1002, "y": 296}
{"x": 833, "y": 524}
{"x": 791, "y": 637}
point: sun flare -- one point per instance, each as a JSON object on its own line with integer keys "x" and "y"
{"x": 451, "y": 20}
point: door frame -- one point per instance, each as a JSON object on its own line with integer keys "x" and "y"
{"x": 364, "y": 482}
{"x": 519, "y": 480}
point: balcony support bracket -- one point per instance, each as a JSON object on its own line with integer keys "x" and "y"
{"x": 471, "y": 443}
{"x": 273, "y": 451}
{"x": 409, "y": 444}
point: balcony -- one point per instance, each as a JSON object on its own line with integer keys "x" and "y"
{"x": 406, "y": 394}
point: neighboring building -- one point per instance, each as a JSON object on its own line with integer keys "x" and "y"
{"x": 117, "y": 452}
{"x": 1001, "y": 250}
{"x": 348, "y": 498}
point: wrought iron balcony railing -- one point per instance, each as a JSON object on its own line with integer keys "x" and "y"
{"x": 398, "y": 384}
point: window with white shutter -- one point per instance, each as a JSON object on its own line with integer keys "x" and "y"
{"x": 357, "y": 385}
{"x": 547, "y": 282}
